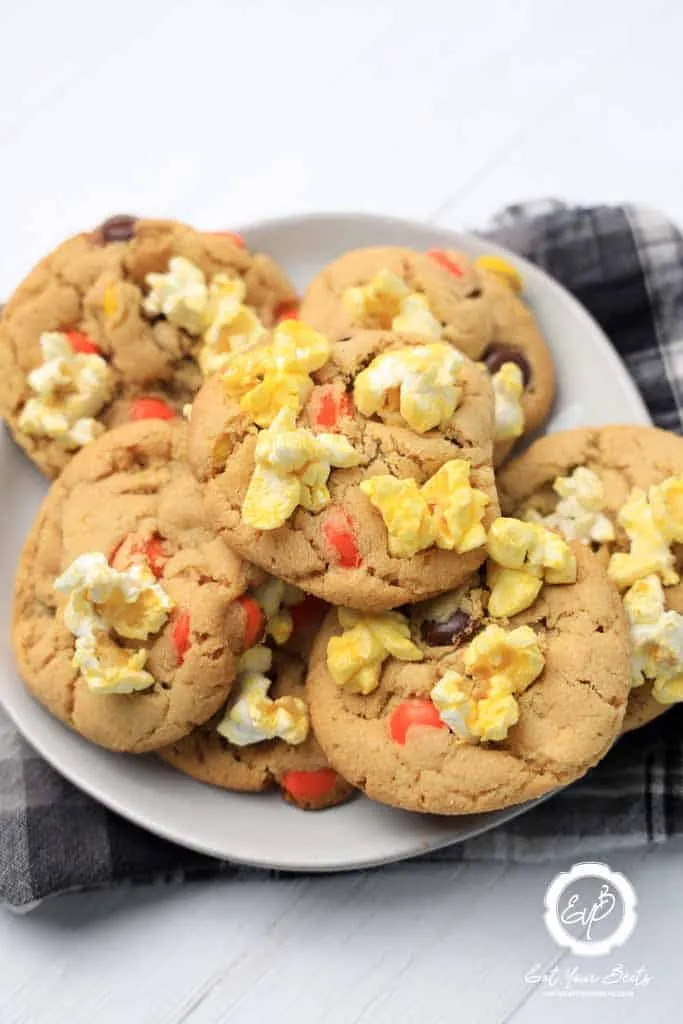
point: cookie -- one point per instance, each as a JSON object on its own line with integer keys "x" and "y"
{"x": 122, "y": 323}
{"x": 515, "y": 342}
{"x": 299, "y": 769}
{"x": 598, "y": 470}
{"x": 392, "y": 288}
{"x": 359, "y": 508}
{"x": 453, "y": 712}
{"x": 137, "y": 644}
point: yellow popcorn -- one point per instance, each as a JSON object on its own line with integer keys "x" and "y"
{"x": 275, "y": 597}
{"x": 666, "y": 502}
{"x": 253, "y": 716}
{"x": 387, "y": 302}
{"x": 578, "y": 514}
{"x": 271, "y": 377}
{"x": 508, "y": 388}
{"x": 499, "y": 665}
{"x": 180, "y": 295}
{"x": 456, "y": 507}
{"x": 650, "y": 545}
{"x": 446, "y": 511}
{"x": 656, "y": 640}
{"x": 292, "y": 468}
{"x": 355, "y": 658}
{"x": 418, "y": 386}
{"x": 527, "y": 555}
{"x": 230, "y": 324}
{"x": 103, "y": 600}
{"x": 502, "y": 269}
{"x": 70, "y": 389}
{"x": 405, "y": 513}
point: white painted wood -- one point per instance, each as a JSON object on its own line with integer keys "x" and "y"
{"x": 224, "y": 111}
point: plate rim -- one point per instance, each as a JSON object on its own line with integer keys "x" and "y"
{"x": 141, "y": 818}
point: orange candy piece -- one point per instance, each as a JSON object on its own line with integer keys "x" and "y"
{"x": 340, "y": 536}
{"x": 151, "y": 409}
{"x": 304, "y": 786}
{"x": 416, "y": 711}
{"x": 253, "y": 613}
{"x": 153, "y": 549}
{"x": 81, "y": 343}
{"x": 286, "y": 311}
{"x": 181, "y": 635}
{"x": 446, "y": 262}
{"x": 233, "y": 236}
{"x": 331, "y": 407}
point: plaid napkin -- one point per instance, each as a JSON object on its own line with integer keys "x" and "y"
{"x": 626, "y": 265}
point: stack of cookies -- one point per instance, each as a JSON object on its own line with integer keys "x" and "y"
{"x": 287, "y": 545}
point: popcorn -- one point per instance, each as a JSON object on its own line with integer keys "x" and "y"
{"x": 657, "y": 640}
{"x": 446, "y": 511}
{"x": 216, "y": 311}
{"x": 276, "y": 376}
{"x": 180, "y": 295}
{"x": 500, "y": 665}
{"x": 652, "y": 524}
{"x": 231, "y": 325}
{"x": 254, "y": 716}
{"x": 508, "y": 388}
{"x": 527, "y": 555}
{"x": 275, "y": 597}
{"x": 103, "y": 600}
{"x": 578, "y": 515}
{"x": 503, "y": 270}
{"x": 387, "y": 302}
{"x": 416, "y": 385}
{"x": 70, "y": 388}
{"x": 355, "y": 658}
{"x": 292, "y": 468}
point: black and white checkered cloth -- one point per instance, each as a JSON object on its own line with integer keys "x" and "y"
{"x": 625, "y": 264}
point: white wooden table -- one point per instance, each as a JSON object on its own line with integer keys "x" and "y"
{"x": 220, "y": 111}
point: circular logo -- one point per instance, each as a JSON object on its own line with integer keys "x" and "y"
{"x": 590, "y": 909}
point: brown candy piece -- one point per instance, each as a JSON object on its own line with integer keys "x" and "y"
{"x": 449, "y": 631}
{"x": 496, "y": 355}
{"x": 119, "y": 228}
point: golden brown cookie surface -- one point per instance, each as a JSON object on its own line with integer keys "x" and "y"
{"x": 623, "y": 458}
{"x": 135, "y": 361}
{"x": 129, "y": 498}
{"x": 393, "y": 744}
{"x": 449, "y": 281}
{"x": 342, "y": 552}
{"x": 301, "y": 771}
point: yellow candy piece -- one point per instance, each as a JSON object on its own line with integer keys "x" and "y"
{"x": 355, "y": 658}
{"x": 502, "y": 269}
{"x": 109, "y": 302}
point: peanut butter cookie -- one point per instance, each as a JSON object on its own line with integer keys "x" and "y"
{"x": 122, "y": 323}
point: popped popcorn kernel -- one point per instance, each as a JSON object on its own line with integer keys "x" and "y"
{"x": 355, "y": 658}
{"x": 446, "y": 511}
{"x": 650, "y": 542}
{"x": 252, "y": 716}
{"x": 578, "y": 514}
{"x": 527, "y": 555}
{"x": 656, "y": 639}
{"x": 180, "y": 295}
{"x": 500, "y": 664}
{"x": 508, "y": 388}
{"x": 418, "y": 386}
{"x": 386, "y": 302}
{"x": 69, "y": 390}
{"x": 292, "y": 466}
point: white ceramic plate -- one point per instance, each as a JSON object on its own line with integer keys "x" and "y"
{"x": 261, "y": 829}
